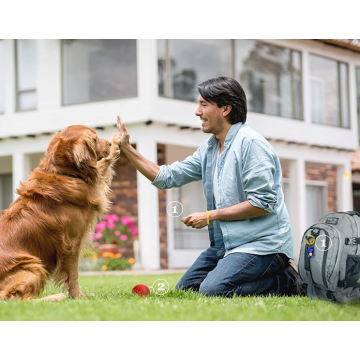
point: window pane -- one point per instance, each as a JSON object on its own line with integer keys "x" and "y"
{"x": 96, "y": 70}
{"x": 27, "y": 100}
{"x": 314, "y": 203}
{"x": 344, "y": 95}
{"x": 6, "y": 192}
{"x": 325, "y": 91}
{"x": 2, "y": 78}
{"x": 26, "y": 64}
{"x": 271, "y": 78}
{"x": 161, "y": 51}
{"x": 191, "y": 196}
{"x": 194, "y": 61}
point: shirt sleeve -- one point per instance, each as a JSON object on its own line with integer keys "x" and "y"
{"x": 179, "y": 173}
{"x": 259, "y": 166}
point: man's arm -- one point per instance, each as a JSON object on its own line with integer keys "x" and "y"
{"x": 165, "y": 176}
{"x": 146, "y": 167}
{"x": 239, "y": 211}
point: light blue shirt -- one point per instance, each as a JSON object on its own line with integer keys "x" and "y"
{"x": 248, "y": 169}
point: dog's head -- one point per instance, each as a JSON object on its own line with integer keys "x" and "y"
{"x": 76, "y": 150}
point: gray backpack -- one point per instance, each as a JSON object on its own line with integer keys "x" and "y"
{"x": 329, "y": 261}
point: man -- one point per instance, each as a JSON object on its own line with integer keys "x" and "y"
{"x": 249, "y": 227}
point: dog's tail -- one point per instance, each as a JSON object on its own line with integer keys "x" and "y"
{"x": 23, "y": 279}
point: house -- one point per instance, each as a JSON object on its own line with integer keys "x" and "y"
{"x": 302, "y": 96}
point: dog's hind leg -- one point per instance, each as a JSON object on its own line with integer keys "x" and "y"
{"x": 22, "y": 285}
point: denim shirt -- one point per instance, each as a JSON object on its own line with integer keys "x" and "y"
{"x": 248, "y": 169}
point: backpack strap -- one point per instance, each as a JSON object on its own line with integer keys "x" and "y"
{"x": 352, "y": 241}
{"x": 352, "y": 213}
{"x": 349, "y": 282}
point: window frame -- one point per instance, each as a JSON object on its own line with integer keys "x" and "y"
{"x": 96, "y": 101}
{"x": 338, "y": 62}
{"x": 17, "y": 91}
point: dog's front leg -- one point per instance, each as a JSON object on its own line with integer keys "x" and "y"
{"x": 105, "y": 165}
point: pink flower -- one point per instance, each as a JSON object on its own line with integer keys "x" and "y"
{"x": 134, "y": 233}
{"x": 97, "y": 236}
{"x": 110, "y": 225}
{"x": 126, "y": 221}
{"x": 106, "y": 217}
{"x": 100, "y": 226}
{"x": 96, "y": 244}
{"x": 123, "y": 237}
{"x": 114, "y": 217}
{"x": 117, "y": 233}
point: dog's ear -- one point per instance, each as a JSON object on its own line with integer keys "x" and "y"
{"x": 83, "y": 153}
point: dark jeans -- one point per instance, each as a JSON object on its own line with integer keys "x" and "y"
{"x": 244, "y": 274}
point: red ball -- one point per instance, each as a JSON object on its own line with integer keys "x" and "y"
{"x": 141, "y": 290}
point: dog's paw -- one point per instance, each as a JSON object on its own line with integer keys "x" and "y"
{"x": 86, "y": 295}
{"x": 116, "y": 139}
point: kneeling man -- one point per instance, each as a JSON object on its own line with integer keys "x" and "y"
{"x": 249, "y": 226}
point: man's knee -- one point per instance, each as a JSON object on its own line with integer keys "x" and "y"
{"x": 210, "y": 289}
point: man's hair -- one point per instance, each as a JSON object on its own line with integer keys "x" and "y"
{"x": 226, "y": 91}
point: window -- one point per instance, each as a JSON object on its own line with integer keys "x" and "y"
{"x": 316, "y": 202}
{"x": 271, "y": 77}
{"x": 2, "y": 80}
{"x": 191, "y": 196}
{"x": 184, "y": 64}
{"x": 329, "y": 92}
{"x": 26, "y": 59}
{"x": 97, "y": 70}
{"x": 6, "y": 192}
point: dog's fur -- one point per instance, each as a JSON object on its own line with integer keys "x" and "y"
{"x": 44, "y": 229}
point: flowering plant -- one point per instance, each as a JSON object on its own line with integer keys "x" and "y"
{"x": 112, "y": 230}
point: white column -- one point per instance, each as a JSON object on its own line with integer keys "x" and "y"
{"x": 297, "y": 203}
{"x": 49, "y": 75}
{"x": 21, "y": 169}
{"x": 10, "y": 88}
{"x": 148, "y": 210}
{"x": 147, "y": 71}
{"x": 344, "y": 187}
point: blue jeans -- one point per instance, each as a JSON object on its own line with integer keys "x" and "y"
{"x": 212, "y": 274}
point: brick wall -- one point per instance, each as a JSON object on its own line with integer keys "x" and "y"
{"x": 124, "y": 198}
{"x": 317, "y": 172}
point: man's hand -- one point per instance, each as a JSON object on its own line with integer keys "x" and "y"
{"x": 196, "y": 220}
{"x": 123, "y": 132}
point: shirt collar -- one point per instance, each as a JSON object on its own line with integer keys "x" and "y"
{"x": 229, "y": 136}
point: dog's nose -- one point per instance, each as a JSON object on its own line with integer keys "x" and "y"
{"x": 109, "y": 143}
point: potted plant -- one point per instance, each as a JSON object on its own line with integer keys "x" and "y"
{"x": 111, "y": 232}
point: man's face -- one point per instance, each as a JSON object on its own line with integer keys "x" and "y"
{"x": 210, "y": 115}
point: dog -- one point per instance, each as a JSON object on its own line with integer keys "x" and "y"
{"x": 45, "y": 228}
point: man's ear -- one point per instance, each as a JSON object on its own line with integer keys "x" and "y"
{"x": 84, "y": 154}
{"x": 227, "y": 110}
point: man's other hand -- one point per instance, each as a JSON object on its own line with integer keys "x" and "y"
{"x": 196, "y": 220}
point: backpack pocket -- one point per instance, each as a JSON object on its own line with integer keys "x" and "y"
{"x": 352, "y": 273}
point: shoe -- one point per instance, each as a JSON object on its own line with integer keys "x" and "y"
{"x": 294, "y": 269}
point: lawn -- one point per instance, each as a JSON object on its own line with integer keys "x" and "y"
{"x": 114, "y": 301}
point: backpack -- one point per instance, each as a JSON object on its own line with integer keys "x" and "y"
{"x": 329, "y": 260}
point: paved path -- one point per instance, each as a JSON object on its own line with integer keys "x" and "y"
{"x": 133, "y": 272}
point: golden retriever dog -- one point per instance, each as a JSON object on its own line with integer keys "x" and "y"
{"x": 44, "y": 229}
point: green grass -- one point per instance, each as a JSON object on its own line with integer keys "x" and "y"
{"x": 114, "y": 301}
